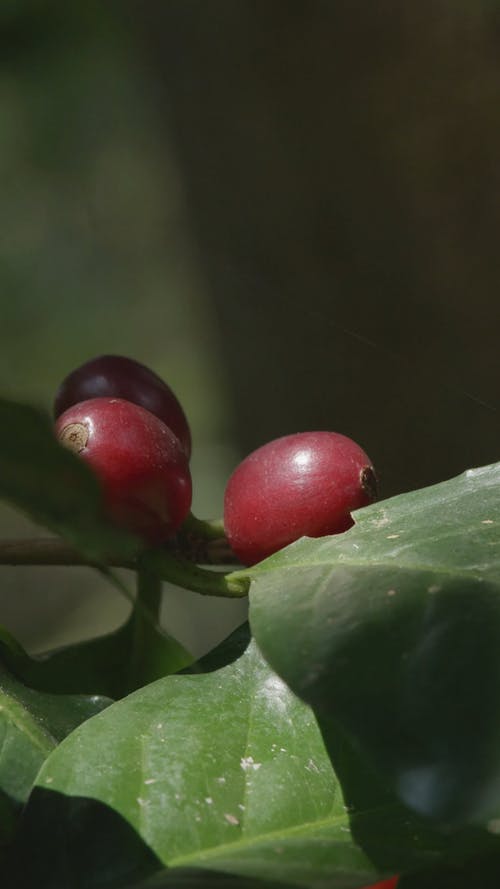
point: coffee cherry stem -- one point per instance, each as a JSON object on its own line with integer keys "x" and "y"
{"x": 202, "y": 529}
{"x": 163, "y": 562}
{"x": 183, "y": 573}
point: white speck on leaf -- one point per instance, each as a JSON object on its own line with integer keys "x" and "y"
{"x": 382, "y": 520}
{"x": 391, "y": 592}
{"x": 392, "y": 536}
{"x": 150, "y": 780}
{"x": 231, "y": 819}
{"x": 247, "y": 762}
{"x": 221, "y": 780}
{"x": 311, "y": 766}
{"x": 434, "y": 588}
{"x": 208, "y": 800}
{"x": 275, "y": 693}
{"x": 487, "y": 522}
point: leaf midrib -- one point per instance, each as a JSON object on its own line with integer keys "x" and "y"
{"x": 270, "y": 836}
{"x": 28, "y": 724}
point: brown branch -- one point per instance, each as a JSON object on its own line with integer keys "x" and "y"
{"x": 54, "y": 551}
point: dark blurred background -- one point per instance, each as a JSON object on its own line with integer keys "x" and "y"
{"x": 288, "y": 209}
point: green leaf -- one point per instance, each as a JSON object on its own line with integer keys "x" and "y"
{"x": 97, "y": 666}
{"x": 31, "y": 725}
{"x": 53, "y": 486}
{"x": 224, "y": 771}
{"x": 391, "y": 632}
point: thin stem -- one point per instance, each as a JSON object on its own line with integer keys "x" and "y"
{"x": 168, "y": 563}
{"x": 149, "y": 593}
{"x": 54, "y": 551}
{"x": 40, "y": 551}
{"x": 202, "y": 529}
{"x": 144, "y": 620}
{"x": 204, "y": 541}
{"x": 181, "y": 572}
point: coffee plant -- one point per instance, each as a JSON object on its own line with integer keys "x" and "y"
{"x": 347, "y": 735}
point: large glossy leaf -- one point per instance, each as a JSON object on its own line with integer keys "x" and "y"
{"x": 224, "y": 771}
{"x": 31, "y": 725}
{"x": 53, "y": 486}
{"x": 391, "y": 632}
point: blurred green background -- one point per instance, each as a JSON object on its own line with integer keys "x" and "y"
{"x": 287, "y": 209}
{"x": 97, "y": 257}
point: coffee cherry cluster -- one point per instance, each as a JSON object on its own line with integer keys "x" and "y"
{"x": 127, "y": 424}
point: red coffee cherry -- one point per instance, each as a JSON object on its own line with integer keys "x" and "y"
{"x": 143, "y": 470}
{"x": 305, "y": 484}
{"x": 113, "y": 376}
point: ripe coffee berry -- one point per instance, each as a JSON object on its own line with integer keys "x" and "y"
{"x": 305, "y": 484}
{"x": 113, "y": 376}
{"x": 140, "y": 463}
